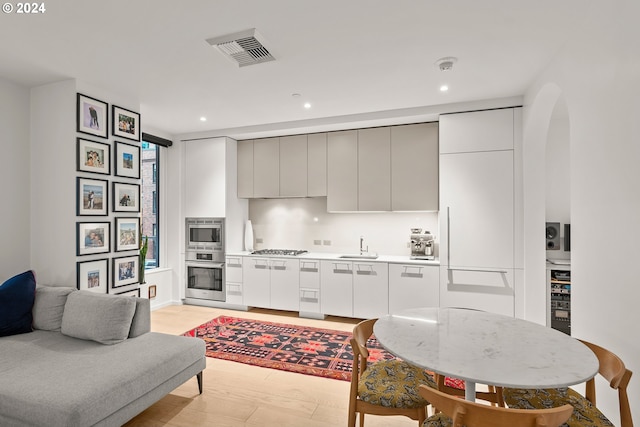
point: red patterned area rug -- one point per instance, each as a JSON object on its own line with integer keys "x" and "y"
{"x": 301, "y": 349}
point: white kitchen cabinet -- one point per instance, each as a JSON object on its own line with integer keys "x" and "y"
{"x": 336, "y": 287}
{"x": 233, "y": 280}
{"x": 370, "y": 289}
{"x": 414, "y": 167}
{"x": 310, "y": 286}
{"x": 317, "y": 165}
{"x": 266, "y": 168}
{"x": 256, "y": 282}
{"x": 285, "y": 281}
{"x": 245, "y": 169}
{"x": 293, "y": 166}
{"x": 205, "y": 178}
{"x": 374, "y": 169}
{"x": 487, "y": 130}
{"x": 412, "y": 286}
{"x": 342, "y": 171}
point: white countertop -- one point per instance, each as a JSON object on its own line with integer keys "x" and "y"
{"x": 393, "y": 259}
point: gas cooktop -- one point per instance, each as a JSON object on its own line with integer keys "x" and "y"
{"x": 288, "y": 252}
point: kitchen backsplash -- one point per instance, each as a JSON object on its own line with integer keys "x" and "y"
{"x": 302, "y": 223}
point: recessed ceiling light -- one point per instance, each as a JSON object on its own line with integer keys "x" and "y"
{"x": 307, "y": 105}
{"x": 203, "y": 119}
{"x": 444, "y": 88}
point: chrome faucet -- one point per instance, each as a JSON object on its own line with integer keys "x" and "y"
{"x": 362, "y": 251}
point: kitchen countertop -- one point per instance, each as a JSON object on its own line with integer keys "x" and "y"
{"x": 392, "y": 259}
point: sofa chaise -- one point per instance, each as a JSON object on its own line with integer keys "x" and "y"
{"x": 90, "y": 360}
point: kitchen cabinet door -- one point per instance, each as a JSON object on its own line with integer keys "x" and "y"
{"x": 205, "y": 178}
{"x": 412, "y": 286}
{"x": 336, "y": 288}
{"x": 342, "y": 171}
{"x": 310, "y": 286}
{"x": 487, "y": 130}
{"x": 245, "y": 169}
{"x": 414, "y": 167}
{"x": 285, "y": 279}
{"x": 374, "y": 169}
{"x": 266, "y": 167}
{"x": 317, "y": 165}
{"x": 256, "y": 282}
{"x": 370, "y": 289}
{"x": 293, "y": 166}
{"x": 233, "y": 280}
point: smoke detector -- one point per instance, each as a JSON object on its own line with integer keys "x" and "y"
{"x": 446, "y": 64}
{"x": 242, "y": 48}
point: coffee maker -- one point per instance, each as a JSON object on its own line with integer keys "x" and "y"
{"x": 421, "y": 244}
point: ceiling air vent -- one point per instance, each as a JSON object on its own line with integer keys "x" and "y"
{"x": 243, "y": 48}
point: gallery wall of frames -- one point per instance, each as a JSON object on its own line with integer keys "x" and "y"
{"x": 107, "y": 197}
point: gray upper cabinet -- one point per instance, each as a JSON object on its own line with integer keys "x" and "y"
{"x": 374, "y": 169}
{"x": 414, "y": 167}
{"x": 245, "y": 169}
{"x": 293, "y": 166}
{"x": 342, "y": 171}
{"x": 317, "y": 165}
{"x": 266, "y": 168}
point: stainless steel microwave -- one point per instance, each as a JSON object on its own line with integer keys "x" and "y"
{"x": 204, "y": 234}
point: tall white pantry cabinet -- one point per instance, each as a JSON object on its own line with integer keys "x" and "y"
{"x": 480, "y": 211}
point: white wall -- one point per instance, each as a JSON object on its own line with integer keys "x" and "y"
{"x": 296, "y": 223}
{"x": 14, "y": 180}
{"x": 597, "y": 74}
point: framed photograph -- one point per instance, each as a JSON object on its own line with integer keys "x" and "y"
{"x": 93, "y": 238}
{"x": 92, "y": 116}
{"x": 127, "y": 234}
{"x": 92, "y": 196}
{"x": 126, "y": 124}
{"x": 127, "y": 160}
{"x": 126, "y": 197}
{"x": 125, "y": 270}
{"x": 152, "y": 291}
{"x": 131, "y": 293}
{"x": 94, "y": 157}
{"x": 93, "y": 275}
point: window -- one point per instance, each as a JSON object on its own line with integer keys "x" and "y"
{"x": 149, "y": 195}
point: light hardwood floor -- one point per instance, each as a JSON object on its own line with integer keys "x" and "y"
{"x": 237, "y": 395}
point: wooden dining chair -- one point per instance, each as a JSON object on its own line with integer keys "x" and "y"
{"x": 456, "y": 412}
{"x": 387, "y": 387}
{"x": 585, "y": 411}
{"x": 493, "y": 395}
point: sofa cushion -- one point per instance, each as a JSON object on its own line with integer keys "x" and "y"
{"x": 98, "y": 317}
{"x": 16, "y": 301}
{"x": 49, "y": 307}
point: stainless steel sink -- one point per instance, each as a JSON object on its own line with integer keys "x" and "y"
{"x": 358, "y": 256}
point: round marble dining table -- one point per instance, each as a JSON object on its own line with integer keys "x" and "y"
{"x": 486, "y": 348}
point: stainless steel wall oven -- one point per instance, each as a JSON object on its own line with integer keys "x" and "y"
{"x": 204, "y": 259}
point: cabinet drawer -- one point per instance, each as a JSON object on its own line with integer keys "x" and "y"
{"x": 310, "y": 300}
{"x": 234, "y": 293}
{"x": 234, "y": 269}
{"x": 310, "y": 274}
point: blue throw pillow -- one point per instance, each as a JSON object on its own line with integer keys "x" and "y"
{"x": 16, "y": 301}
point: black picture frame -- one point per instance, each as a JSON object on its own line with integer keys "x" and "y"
{"x": 125, "y": 270}
{"x": 127, "y": 160}
{"x": 131, "y": 293}
{"x": 126, "y": 123}
{"x": 126, "y": 197}
{"x": 127, "y": 234}
{"x": 92, "y": 197}
{"x": 93, "y": 238}
{"x": 93, "y": 157}
{"x": 93, "y": 275}
{"x": 92, "y": 116}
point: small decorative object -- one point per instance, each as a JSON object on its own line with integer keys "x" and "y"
{"x": 144, "y": 245}
{"x": 125, "y": 270}
{"x": 94, "y": 157}
{"x": 92, "y": 116}
{"x": 127, "y": 160}
{"x": 126, "y": 124}
{"x": 92, "y": 238}
{"x": 127, "y": 234}
{"x": 126, "y": 197}
{"x": 91, "y": 196}
{"x": 93, "y": 275}
{"x": 152, "y": 291}
{"x": 248, "y": 236}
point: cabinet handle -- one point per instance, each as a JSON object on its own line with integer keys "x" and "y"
{"x": 365, "y": 269}
{"x": 309, "y": 295}
{"x": 448, "y": 237}
{"x": 478, "y": 270}
{"x": 231, "y": 263}
{"x": 234, "y": 289}
{"x": 279, "y": 264}
{"x": 345, "y": 269}
{"x": 408, "y": 273}
{"x": 304, "y": 266}
{"x": 261, "y": 263}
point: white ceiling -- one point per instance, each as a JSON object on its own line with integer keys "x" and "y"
{"x": 362, "y": 59}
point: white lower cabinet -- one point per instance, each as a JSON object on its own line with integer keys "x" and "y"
{"x": 257, "y": 282}
{"x": 271, "y": 282}
{"x": 370, "y": 289}
{"x": 233, "y": 280}
{"x": 310, "y": 286}
{"x": 336, "y": 288}
{"x": 412, "y": 286}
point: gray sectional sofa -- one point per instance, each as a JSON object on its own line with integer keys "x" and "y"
{"x": 91, "y": 360}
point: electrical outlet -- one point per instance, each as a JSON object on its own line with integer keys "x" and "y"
{"x": 326, "y": 242}
{"x": 317, "y": 242}
{"x": 259, "y": 240}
